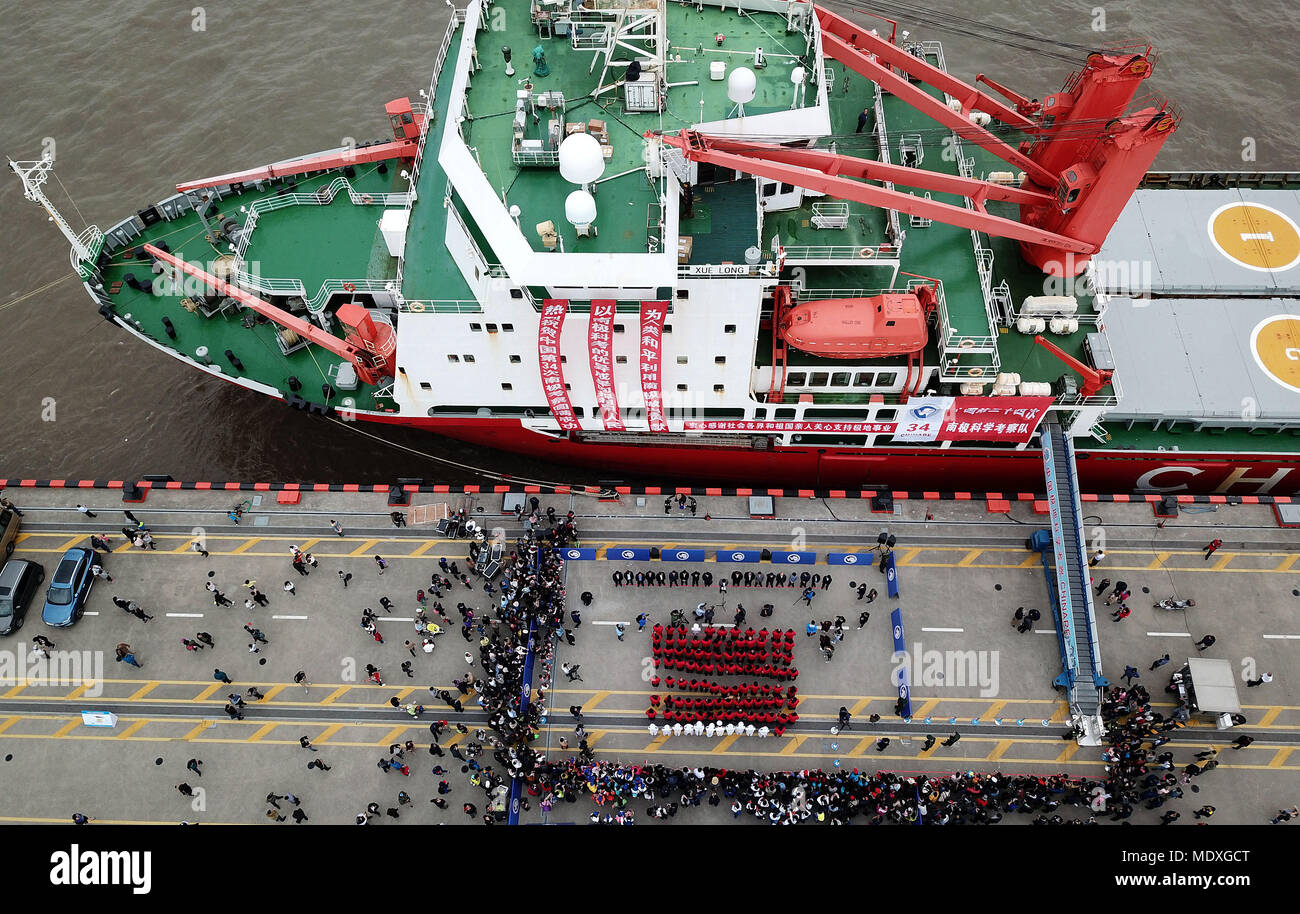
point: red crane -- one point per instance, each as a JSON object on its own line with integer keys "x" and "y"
{"x": 1094, "y": 379}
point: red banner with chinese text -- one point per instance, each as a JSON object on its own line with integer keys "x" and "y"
{"x": 993, "y": 418}
{"x": 548, "y": 359}
{"x": 600, "y": 347}
{"x": 652, "y": 330}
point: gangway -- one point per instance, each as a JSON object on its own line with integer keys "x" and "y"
{"x": 1070, "y": 586}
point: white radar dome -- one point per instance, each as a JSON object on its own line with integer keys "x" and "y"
{"x": 580, "y": 208}
{"x": 741, "y": 83}
{"x": 581, "y": 160}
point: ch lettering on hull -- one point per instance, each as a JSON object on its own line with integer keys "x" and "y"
{"x": 1158, "y": 481}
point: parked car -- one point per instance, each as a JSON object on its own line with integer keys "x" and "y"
{"x": 9, "y": 524}
{"x": 19, "y": 581}
{"x": 65, "y": 600}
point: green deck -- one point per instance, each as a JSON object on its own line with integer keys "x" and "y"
{"x": 305, "y": 242}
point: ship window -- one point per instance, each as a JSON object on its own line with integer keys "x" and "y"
{"x": 620, "y": 360}
{"x": 884, "y": 415}
{"x": 515, "y": 360}
{"x": 681, "y": 387}
{"x": 476, "y": 327}
{"x": 618, "y": 328}
{"x": 683, "y": 294}
{"x": 723, "y": 413}
{"x": 564, "y": 360}
{"x": 864, "y": 379}
{"x": 785, "y": 413}
{"x": 1072, "y": 195}
{"x": 568, "y": 387}
{"x": 886, "y": 378}
{"x": 508, "y": 328}
{"x": 682, "y": 360}
{"x": 425, "y": 385}
{"x": 516, "y": 293}
{"x": 796, "y": 379}
{"x": 840, "y": 379}
{"x": 887, "y": 324}
{"x": 452, "y": 357}
{"x": 787, "y": 188}
{"x": 491, "y": 328}
{"x": 468, "y": 358}
{"x": 719, "y": 360}
{"x": 760, "y": 413}
{"x": 769, "y": 189}
{"x": 819, "y": 379}
{"x": 718, "y": 388}
{"x": 729, "y": 328}
{"x": 668, "y": 328}
{"x": 507, "y": 386}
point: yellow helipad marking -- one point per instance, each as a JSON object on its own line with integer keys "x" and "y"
{"x": 1255, "y": 236}
{"x": 244, "y": 547}
{"x": 131, "y": 730}
{"x": 1280, "y": 758}
{"x": 1276, "y": 346}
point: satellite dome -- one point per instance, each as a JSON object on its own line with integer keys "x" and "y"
{"x": 581, "y": 160}
{"x": 580, "y": 208}
{"x": 741, "y": 83}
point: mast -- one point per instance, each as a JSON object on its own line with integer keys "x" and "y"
{"x": 33, "y": 175}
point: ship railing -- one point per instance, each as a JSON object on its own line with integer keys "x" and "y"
{"x": 535, "y": 158}
{"x": 440, "y": 306}
{"x": 496, "y": 271}
{"x": 390, "y": 341}
{"x": 92, "y": 238}
{"x": 332, "y": 287}
{"x": 322, "y": 196}
{"x": 796, "y": 252}
{"x": 882, "y": 142}
{"x": 1192, "y": 180}
{"x": 457, "y": 19}
{"x": 247, "y": 280}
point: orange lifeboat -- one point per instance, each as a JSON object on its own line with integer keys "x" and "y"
{"x": 856, "y": 328}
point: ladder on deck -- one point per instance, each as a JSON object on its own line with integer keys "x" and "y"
{"x": 780, "y": 305}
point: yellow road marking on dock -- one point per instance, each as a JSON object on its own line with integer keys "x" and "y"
{"x": 969, "y": 558}
{"x": 72, "y": 542}
{"x": 909, "y": 556}
{"x": 77, "y": 692}
{"x": 1280, "y": 757}
{"x": 994, "y": 710}
{"x": 392, "y": 734}
{"x": 926, "y": 708}
{"x": 207, "y": 692}
{"x": 657, "y": 742}
{"x": 1068, "y": 752}
{"x": 9, "y": 722}
{"x": 364, "y": 548}
{"x": 1158, "y": 561}
{"x": 999, "y": 750}
{"x": 1029, "y": 561}
{"x": 15, "y": 690}
{"x": 199, "y": 728}
{"x": 1287, "y": 562}
{"x": 67, "y": 728}
{"x": 862, "y": 746}
{"x": 595, "y": 700}
{"x": 131, "y": 730}
{"x": 244, "y": 547}
{"x": 1269, "y": 717}
{"x": 275, "y": 690}
{"x": 793, "y": 746}
{"x": 725, "y": 744}
{"x": 328, "y": 732}
{"x": 336, "y": 694}
{"x": 1223, "y": 561}
{"x": 429, "y": 544}
{"x": 262, "y": 731}
{"x": 859, "y": 705}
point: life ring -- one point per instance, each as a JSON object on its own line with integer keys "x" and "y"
{"x": 366, "y": 198}
{"x": 349, "y": 287}
{"x": 966, "y": 344}
{"x": 417, "y": 306}
{"x": 866, "y": 252}
{"x": 977, "y": 372}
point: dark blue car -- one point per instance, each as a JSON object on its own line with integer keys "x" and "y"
{"x": 66, "y": 597}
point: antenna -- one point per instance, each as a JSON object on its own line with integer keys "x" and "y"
{"x": 33, "y": 175}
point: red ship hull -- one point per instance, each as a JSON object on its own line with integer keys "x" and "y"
{"x": 917, "y": 469}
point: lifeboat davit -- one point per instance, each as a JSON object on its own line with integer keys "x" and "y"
{"x": 855, "y": 328}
